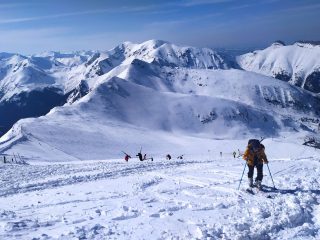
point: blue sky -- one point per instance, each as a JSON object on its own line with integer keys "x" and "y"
{"x": 32, "y": 26}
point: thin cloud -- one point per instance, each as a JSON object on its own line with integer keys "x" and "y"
{"x": 241, "y": 6}
{"x": 19, "y": 20}
{"x": 183, "y": 21}
{"x": 70, "y": 14}
{"x": 12, "y": 5}
{"x": 248, "y": 5}
{"x": 302, "y": 8}
{"x": 191, "y": 3}
{"x": 159, "y": 11}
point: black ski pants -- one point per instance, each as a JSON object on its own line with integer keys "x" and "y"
{"x": 259, "y": 170}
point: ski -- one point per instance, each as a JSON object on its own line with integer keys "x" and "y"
{"x": 249, "y": 190}
{"x": 255, "y": 191}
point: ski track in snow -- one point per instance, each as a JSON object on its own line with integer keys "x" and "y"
{"x": 176, "y": 199}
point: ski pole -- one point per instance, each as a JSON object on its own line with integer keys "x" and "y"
{"x": 271, "y": 176}
{"x": 242, "y": 175}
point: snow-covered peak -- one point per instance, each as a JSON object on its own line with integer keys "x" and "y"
{"x": 299, "y": 64}
{"x": 4, "y": 55}
{"x": 158, "y": 52}
{"x": 11, "y": 59}
{"x": 69, "y": 59}
{"x": 154, "y": 43}
{"x": 308, "y": 44}
{"x": 55, "y": 54}
{"x": 278, "y": 43}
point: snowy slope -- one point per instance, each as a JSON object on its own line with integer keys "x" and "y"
{"x": 298, "y": 64}
{"x": 128, "y": 112}
{"x": 193, "y": 198}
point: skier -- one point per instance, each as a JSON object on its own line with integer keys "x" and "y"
{"x": 255, "y": 157}
{"x": 180, "y": 157}
{"x": 127, "y": 157}
{"x": 234, "y": 154}
{"x": 139, "y": 155}
{"x": 220, "y": 154}
{"x": 168, "y": 157}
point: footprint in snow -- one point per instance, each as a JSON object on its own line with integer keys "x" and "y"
{"x": 167, "y": 212}
{"x": 148, "y": 200}
{"x": 161, "y": 214}
{"x": 128, "y": 214}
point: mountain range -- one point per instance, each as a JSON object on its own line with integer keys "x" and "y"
{"x": 92, "y": 104}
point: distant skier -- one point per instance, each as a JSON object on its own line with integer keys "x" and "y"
{"x": 168, "y": 157}
{"x": 255, "y": 157}
{"x": 180, "y": 157}
{"x": 127, "y": 157}
{"x": 220, "y": 154}
{"x": 234, "y": 154}
{"x": 139, "y": 155}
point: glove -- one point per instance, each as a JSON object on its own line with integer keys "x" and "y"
{"x": 266, "y": 161}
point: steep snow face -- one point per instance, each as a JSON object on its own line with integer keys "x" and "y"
{"x": 30, "y": 86}
{"x": 29, "y": 104}
{"x": 23, "y": 74}
{"x": 298, "y": 64}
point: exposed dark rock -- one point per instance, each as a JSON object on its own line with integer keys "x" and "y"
{"x": 314, "y": 43}
{"x": 312, "y": 83}
{"x": 78, "y": 92}
{"x": 284, "y": 76}
{"x": 208, "y": 118}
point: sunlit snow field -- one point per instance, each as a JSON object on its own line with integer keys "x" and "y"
{"x": 192, "y": 198}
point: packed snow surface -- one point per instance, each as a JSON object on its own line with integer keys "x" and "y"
{"x": 191, "y": 198}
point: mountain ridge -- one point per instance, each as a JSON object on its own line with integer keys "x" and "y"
{"x": 297, "y": 64}
{"x": 155, "y": 89}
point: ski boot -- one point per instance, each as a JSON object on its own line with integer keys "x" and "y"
{"x": 250, "y": 182}
{"x": 258, "y": 185}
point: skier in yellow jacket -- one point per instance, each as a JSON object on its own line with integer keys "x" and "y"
{"x": 255, "y": 157}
